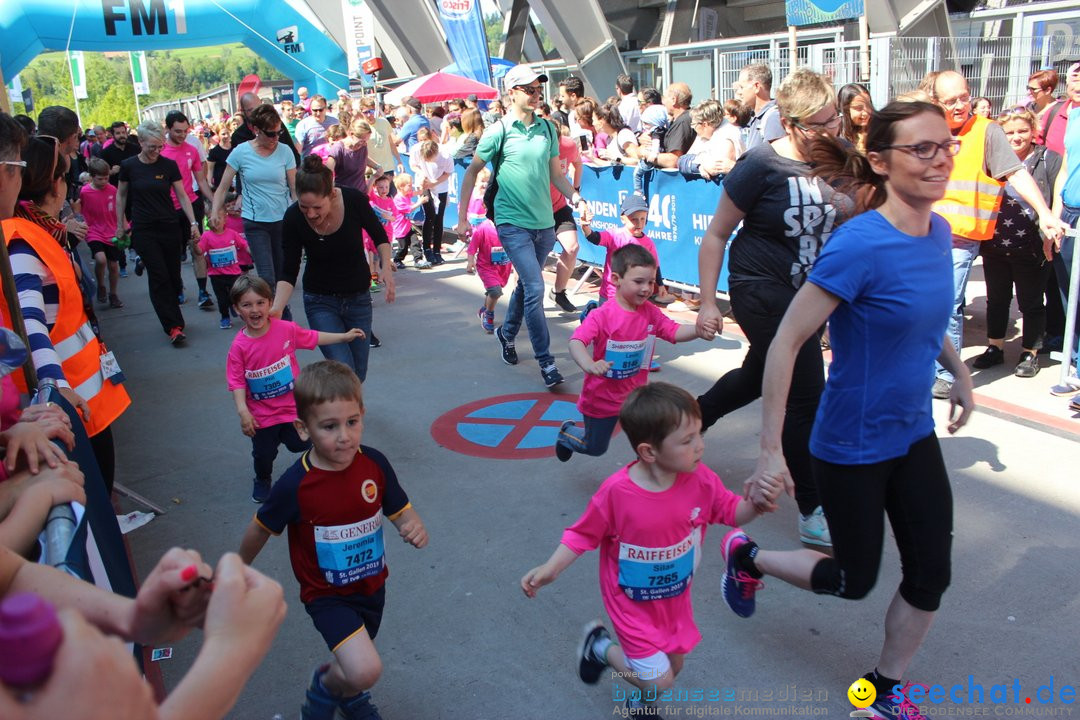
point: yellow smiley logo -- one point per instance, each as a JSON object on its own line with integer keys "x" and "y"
{"x": 862, "y": 693}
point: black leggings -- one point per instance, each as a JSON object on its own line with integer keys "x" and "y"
{"x": 222, "y": 285}
{"x": 433, "y": 224}
{"x": 758, "y": 309}
{"x": 105, "y": 454}
{"x": 1029, "y": 275}
{"x": 914, "y": 491}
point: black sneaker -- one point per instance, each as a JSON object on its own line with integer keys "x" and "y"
{"x": 991, "y": 356}
{"x": 942, "y": 389}
{"x": 561, "y": 451}
{"x": 563, "y": 302}
{"x": 139, "y": 267}
{"x": 589, "y": 666}
{"x": 375, "y": 342}
{"x": 509, "y": 352}
{"x": 552, "y": 376}
{"x": 1028, "y": 367}
{"x": 260, "y": 490}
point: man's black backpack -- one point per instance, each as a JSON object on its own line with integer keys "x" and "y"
{"x": 496, "y": 160}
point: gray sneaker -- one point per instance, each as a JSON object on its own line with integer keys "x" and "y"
{"x": 942, "y": 388}
{"x": 813, "y": 530}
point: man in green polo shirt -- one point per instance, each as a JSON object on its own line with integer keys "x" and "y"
{"x": 529, "y": 163}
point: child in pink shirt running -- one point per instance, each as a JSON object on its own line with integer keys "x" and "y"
{"x": 622, "y": 334}
{"x": 486, "y": 255}
{"x": 261, "y": 371}
{"x": 635, "y": 213}
{"x": 406, "y": 203}
{"x": 649, "y": 521}
{"x": 98, "y": 205}
{"x": 221, "y": 247}
{"x": 383, "y": 205}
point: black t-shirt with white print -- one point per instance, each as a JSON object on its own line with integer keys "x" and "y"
{"x": 789, "y": 217}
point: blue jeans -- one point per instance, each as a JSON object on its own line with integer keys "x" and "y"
{"x": 964, "y": 253}
{"x": 1063, "y": 264}
{"x": 528, "y": 249}
{"x": 593, "y": 439}
{"x": 338, "y": 313}
{"x": 264, "y": 241}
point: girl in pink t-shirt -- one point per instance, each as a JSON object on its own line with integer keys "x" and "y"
{"x": 649, "y": 521}
{"x": 221, "y": 247}
{"x": 383, "y": 205}
{"x": 261, "y": 371}
{"x": 487, "y": 258}
{"x": 98, "y": 203}
{"x": 234, "y": 222}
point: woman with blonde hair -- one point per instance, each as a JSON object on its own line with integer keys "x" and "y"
{"x": 349, "y": 159}
{"x": 787, "y": 215}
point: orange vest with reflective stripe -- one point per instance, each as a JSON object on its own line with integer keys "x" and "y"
{"x": 972, "y": 198}
{"x": 72, "y": 337}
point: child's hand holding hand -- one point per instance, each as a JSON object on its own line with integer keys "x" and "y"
{"x": 598, "y": 367}
{"x": 411, "y": 528}
{"x": 247, "y": 424}
{"x": 353, "y": 334}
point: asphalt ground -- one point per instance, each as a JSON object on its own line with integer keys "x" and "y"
{"x": 459, "y": 640}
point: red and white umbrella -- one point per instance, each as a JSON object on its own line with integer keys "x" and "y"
{"x": 441, "y": 86}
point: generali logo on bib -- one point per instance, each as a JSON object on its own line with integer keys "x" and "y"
{"x": 456, "y": 8}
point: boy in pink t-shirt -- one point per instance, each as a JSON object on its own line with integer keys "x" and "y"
{"x": 622, "y": 334}
{"x": 649, "y": 521}
{"x": 635, "y": 213}
{"x": 406, "y": 202}
{"x": 221, "y": 247}
{"x": 98, "y": 205}
{"x": 261, "y": 370}
{"x": 487, "y": 258}
{"x": 383, "y": 205}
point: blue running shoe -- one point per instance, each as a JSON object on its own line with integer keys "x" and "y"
{"x": 359, "y": 707}
{"x": 318, "y": 703}
{"x": 737, "y": 586}
{"x": 589, "y": 307}
{"x": 891, "y": 707}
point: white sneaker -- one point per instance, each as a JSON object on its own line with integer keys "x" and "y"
{"x": 813, "y": 530}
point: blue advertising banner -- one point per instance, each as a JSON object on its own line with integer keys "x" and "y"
{"x": 466, "y": 38}
{"x": 680, "y": 210}
{"x": 814, "y": 12}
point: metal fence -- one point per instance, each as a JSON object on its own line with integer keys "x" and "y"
{"x": 996, "y": 68}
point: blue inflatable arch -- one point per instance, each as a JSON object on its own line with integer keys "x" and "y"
{"x": 271, "y": 28}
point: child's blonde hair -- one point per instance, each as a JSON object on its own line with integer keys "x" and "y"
{"x": 323, "y": 382}
{"x": 429, "y": 149}
{"x": 401, "y": 180}
{"x": 335, "y": 132}
{"x": 654, "y": 411}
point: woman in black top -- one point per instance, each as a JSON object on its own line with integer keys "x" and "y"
{"x": 787, "y": 216}
{"x": 150, "y": 178}
{"x": 325, "y": 223}
{"x": 218, "y": 155}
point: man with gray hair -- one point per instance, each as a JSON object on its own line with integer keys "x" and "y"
{"x": 754, "y": 89}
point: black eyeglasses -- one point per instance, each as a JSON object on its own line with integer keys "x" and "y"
{"x": 928, "y": 150}
{"x": 529, "y": 90}
{"x": 829, "y": 124}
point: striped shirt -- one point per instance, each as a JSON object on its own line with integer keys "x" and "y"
{"x": 39, "y": 297}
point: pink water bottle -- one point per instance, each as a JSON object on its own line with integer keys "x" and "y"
{"x": 29, "y": 636}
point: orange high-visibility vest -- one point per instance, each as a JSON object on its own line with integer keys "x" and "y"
{"x": 972, "y": 198}
{"x": 72, "y": 337}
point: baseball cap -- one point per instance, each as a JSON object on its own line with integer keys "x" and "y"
{"x": 521, "y": 75}
{"x": 655, "y": 115}
{"x": 471, "y": 98}
{"x": 633, "y": 203}
{"x": 413, "y": 103}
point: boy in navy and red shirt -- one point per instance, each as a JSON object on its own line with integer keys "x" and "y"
{"x": 332, "y": 502}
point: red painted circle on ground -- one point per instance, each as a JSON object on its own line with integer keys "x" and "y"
{"x": 506, "y": 427}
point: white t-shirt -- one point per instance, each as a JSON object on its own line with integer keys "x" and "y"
{"x": 432, "y": 169}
